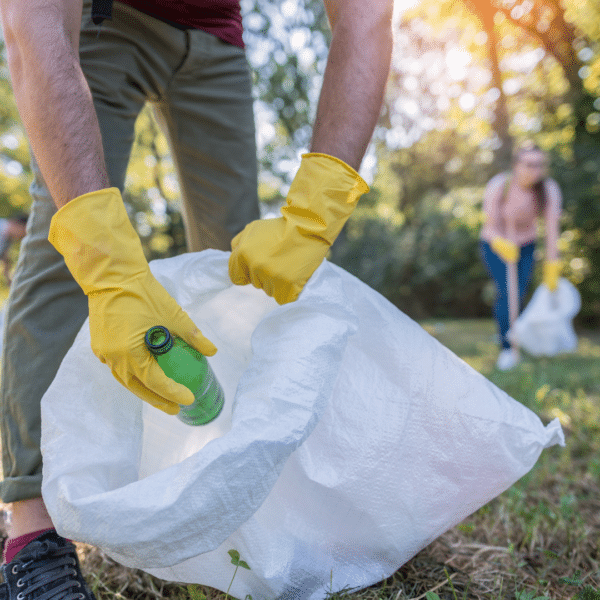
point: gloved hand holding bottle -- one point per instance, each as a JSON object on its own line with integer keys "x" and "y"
{"x": 105, "y": 256}
{"x": 279, "y": 255}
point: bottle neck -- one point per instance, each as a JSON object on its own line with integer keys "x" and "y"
{"x": 159, "y": 340}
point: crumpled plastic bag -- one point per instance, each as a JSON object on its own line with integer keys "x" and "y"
{"x": 545, "y": 327}
{"x": 350, "y": 439}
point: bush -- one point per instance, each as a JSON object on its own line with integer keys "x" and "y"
{"x": 429, "y": 267}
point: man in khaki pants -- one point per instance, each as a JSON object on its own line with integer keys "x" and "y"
{"x": 79, "y": 90}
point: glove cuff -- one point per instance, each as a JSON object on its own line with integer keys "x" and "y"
{"x": 93, "y": 232}
{"x": 333, "y": 166}
{"x": 322, "y": 196}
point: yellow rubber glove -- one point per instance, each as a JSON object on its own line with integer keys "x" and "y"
{"x": 279, "y": 255}
{"x": 105, "y": 256}
{"x": 552, "y": 269}
{"x": 505, "y": 249}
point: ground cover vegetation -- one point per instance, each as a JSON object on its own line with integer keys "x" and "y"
{"x": 539, "y": 539}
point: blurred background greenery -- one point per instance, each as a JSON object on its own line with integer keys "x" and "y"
{"x": 470, "y": 78}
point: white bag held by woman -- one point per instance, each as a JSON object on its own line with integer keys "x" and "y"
{"x": 545, "y": 327}
{"x": 350, "y": 439}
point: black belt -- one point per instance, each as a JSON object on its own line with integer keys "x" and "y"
{"x": 101, "y": 9}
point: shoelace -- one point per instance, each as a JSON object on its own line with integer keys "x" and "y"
{"x": 54, "y": 577}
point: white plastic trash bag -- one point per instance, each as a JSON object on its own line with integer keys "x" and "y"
{"x": 545, "y": 327}
{"x": 350, "y": 439}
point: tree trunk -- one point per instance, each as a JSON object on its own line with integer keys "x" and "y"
{"x": 485, "y": 14}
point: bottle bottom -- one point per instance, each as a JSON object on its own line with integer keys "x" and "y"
{"x": 199, "y": 413}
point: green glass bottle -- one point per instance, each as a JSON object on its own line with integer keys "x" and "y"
{"x": 187, "y": 366}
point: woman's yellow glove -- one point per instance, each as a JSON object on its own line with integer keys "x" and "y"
{"x": 552, "y": 269}
{"x": 279, "y": 255}
{"x": 508, "y": 251}
{"x": 105, "y": 256}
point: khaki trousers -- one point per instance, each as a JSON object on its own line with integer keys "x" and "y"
{"x": 200, "y": 88}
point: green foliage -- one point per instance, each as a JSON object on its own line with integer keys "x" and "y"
{"x": 235, "y": 560}
{"x": 550, "y": 68}
{"x": 581, "y": 190}
{"x": 15, "y": 173}
{"x": 529, "y": 595}
{"x": 428, "y": 267}
{"x": 575, "y": 580}
{"x": 586, "y": 592}
{"x": 195, "y": 592}
{"x": 152, "y": 191}
{"x": 287, "y": 50}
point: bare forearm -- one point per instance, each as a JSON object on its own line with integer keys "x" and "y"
{"x": 354, "y": 83}
{"x": 56, "y": 106}
{"x": 553, "y": 212}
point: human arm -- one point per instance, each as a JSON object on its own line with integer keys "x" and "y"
{"x": 355, "y": 76}
{"x": 280, "y": 255}
{"x": 52, "y": 95}
{"x": 552, "y": 214}
{"x": 91, "y": 229}
{"x": 105, "y": 256}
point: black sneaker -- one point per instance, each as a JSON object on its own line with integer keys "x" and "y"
{"x": 46, "y": 569}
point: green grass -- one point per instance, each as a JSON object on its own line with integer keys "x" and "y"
{"x": 538, "y": 540}
{"x": 549, "y": 521}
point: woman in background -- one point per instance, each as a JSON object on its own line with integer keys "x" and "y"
{"x": 512, "y": 203}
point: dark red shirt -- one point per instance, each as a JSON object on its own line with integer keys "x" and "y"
{"x": 222, "y": 18}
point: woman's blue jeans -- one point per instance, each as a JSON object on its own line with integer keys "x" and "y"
{"x": 498, "y": 272}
